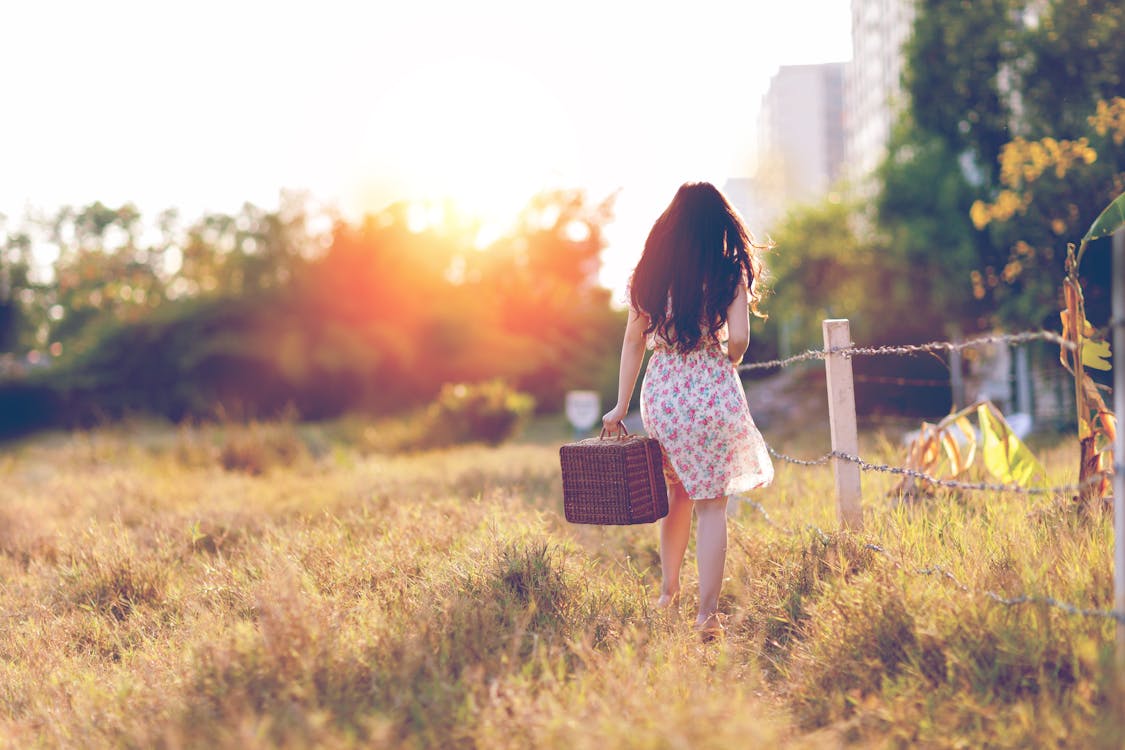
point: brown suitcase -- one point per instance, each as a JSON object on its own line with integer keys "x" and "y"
{"x": 613, "y": 480}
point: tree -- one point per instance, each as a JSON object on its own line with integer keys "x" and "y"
{"x": 921, "y": 209}
{"x": 15, "y": 283}
{"x": 819, "y": 268}
{"x": 543, "y": 280}
{"x": 829, "y": 264}
{"x": 986, "y": 81}
{"x": 959, "y": 72}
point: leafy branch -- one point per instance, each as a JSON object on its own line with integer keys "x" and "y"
{"x": 950, "y": 447}
{"x": 1097, "y": 425}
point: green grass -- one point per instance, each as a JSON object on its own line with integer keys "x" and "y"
{"x": 294, "y": 586}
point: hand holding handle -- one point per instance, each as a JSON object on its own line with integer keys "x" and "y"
{"x": 623, "y": 431}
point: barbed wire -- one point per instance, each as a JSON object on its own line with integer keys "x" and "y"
{"x": 1012, "y": 601}
{"x": 924, "y": 571}
{"x": 958, "y": 485}
{"x": 929, "y": 479}
{"x": 804, "y": 356}
{"x": 800, "y": 461}
{"x": 884, "y": 419}
{"x": 951, "y": 346}
{"x": 1052, "y": 602}
{"x": 765, "y": 515}
{"x": 932, "y": 570}
{"x": 852, "y": 350}
{"x": 941, "y": 572}
{"x": 913, "y": 382}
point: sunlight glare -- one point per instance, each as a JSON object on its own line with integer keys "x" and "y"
{"x": 482, "y": 137}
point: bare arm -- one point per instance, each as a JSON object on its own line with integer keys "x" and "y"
{"x": 632, "y": 353}
{"x": 738, "y": 325}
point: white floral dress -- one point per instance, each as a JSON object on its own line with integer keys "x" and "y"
{"x": 694, "y": 404}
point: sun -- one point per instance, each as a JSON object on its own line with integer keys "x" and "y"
{"x": 476, "y": 135}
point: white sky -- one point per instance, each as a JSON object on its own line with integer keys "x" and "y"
{"x": 206, "y": 104}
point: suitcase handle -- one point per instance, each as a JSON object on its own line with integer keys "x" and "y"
{"x": 624, "y": 431}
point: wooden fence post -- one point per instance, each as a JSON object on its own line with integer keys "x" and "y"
{"x": 842, "y": 422}
{"x": 1118, "y": 270}
{"x": 956, "y": 378}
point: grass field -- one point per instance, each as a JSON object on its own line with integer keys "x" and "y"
{"x": 284, "y": 586}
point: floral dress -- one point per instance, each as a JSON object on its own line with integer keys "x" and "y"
{"x": 694, "y": 404}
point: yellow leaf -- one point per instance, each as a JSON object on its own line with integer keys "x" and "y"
{"x": 931, "y": 453}
{"x": 979, "y": 214}
{"x": 1109, "y": 424}
{"x": 953, "y": 453}
{"x": 1095, "y": 354}
{"x": 1005, "y": 456}
{"x": 970, "y": 439}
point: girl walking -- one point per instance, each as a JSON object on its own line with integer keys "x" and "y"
{"x": 690, "y": 298}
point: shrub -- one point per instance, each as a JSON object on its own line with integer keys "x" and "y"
{"x": 488, "y": 412}
{"x": 254, "y": 448}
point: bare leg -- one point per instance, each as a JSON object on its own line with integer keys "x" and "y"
{"x": 711, "y": 555}
{"x": 675, "y": 531}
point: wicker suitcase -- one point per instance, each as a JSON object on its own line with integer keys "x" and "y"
{"x": 613, "y": 480}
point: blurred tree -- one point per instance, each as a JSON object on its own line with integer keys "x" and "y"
{"x": 100, "y": 270}
{"x": 1074, "y": 59}
{"x": 15, "y": 283}
{"x": 1050, "y": 192}
{"x": 438, "y": 309}
{"x": 110, "y": 268}
{"x": 921, "y": 207}
{"x": 960, "y": 74}
{"x": 819, "y": 268}
{"x": 254, "y": 249}
{"x": 983, "y": 75}
{"x": 545, "y": 296}
{"x": 255, "y": 316}
{"x": 829, "y": 263}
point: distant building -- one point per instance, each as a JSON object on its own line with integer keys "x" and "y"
{"x": 800, "y": 138}
{"x": 873, "y": 93}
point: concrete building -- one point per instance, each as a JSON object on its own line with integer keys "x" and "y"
{"x": 873, "y": 93}
{"x": 800, "y": 139}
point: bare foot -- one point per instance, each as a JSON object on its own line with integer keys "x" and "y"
{"x": 710, "y": 627}
{"x": 667, "y": 601}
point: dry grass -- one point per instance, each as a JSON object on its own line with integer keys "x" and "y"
{"x": 290, "y": 586}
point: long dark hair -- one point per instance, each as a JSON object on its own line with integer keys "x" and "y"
{"x": 694, "y": 257}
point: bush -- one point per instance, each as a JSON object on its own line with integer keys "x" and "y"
{"x": 255, "y": 448}
{"x": 488, "y": 412}
{"x": 25, "y": 408}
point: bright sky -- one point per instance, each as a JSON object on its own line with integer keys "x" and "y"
{"x": 204, "y": 105}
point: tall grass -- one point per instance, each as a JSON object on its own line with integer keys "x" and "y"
{"x": 318, "y": 592}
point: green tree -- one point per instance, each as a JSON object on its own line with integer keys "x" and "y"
{"x": 988, "y": 77}
{"x": 819, "y": 268}
{"x": 921, "y": 209}
{"x": 16, "y": 290}
{"x": 251, "y": 250}
{"x": 961, "y": 62}
{"x": 829, "y": 263}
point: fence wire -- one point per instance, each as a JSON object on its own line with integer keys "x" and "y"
{"x": 932, "y": 570}
{"x": 1011, "y": 601}
{"x": 941, "y": 572}
{"x": 909, "y": 349}
{"x": 929, "y": 479}
{"x": 912, "y": 382}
